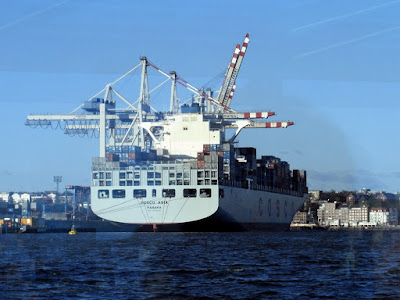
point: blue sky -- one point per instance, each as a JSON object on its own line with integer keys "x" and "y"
{"x": 332, "y": 67}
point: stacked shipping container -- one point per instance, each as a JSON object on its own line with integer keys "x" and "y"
{"x": 130, "y": 155}
{"x": 223, "y": 162}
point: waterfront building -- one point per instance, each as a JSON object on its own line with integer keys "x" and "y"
{"x": 326, "y": 213}
{"x": 329, "y": 215}
{"x": 300, "y": 218}
{"x": 342, "y": 214}
{"x": 358, "y": 214}
{"x": 384, "y": 216}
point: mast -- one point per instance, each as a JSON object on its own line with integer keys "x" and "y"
{"x": 173, "y": 106}
{"x": 143, "y": 99}
{"x": 228, "y": 86}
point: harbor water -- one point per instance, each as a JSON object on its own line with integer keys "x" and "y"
{"x": 269, "y": 265}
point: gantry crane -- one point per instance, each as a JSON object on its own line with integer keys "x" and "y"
{"x": 140, "y": 124}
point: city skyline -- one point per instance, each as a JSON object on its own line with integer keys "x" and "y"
{"x": 332, "y": 68}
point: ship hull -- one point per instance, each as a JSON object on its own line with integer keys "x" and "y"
{"x": 239, "y": 209}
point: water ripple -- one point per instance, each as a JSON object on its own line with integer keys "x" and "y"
{"x": 290, "y": 265}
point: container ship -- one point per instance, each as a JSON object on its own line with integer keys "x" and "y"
{"x": 180, "y": 170}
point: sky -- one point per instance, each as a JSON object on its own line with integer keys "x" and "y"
{"x": 332, "y": 67}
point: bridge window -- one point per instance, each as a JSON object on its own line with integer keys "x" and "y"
{"x": 118, "y": 193}
{"x": 139, "y": 193}
{"x": 168, "y": 193}
{"x": 104, "y": 194}
{"x": 189, "y": 193}
{"x": 205, "y": 193}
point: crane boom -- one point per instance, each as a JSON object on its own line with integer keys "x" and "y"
{"x": 260, "y": 124}
{"x": 228, "y": 86}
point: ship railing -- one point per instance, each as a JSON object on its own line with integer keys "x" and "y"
{"x": 257, "y": 187}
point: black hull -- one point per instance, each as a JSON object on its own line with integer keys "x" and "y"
{"x": 218, "y": 222}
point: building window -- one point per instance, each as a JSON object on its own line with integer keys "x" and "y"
{"x": 157, "y": 174}
{"x": 103, "y": 194}
{"x": 154, "y": 193}
{"x": 205, "y": 193}
{"x": 168, "y": 193}
{"x": 122, "y": 175}
{"x": 108, "y": 175}
{"x": 139, "y": 193}
{"x": 136, "y": 183}
{"x": 158, "y": 182}
{"x": 118, "y": 193}
{"x": 189, "y": 193}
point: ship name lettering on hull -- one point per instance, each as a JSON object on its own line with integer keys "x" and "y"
{"x": 153, "y": 202}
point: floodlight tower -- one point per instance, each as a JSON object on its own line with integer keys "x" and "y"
{"x": 57, "y": 180}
